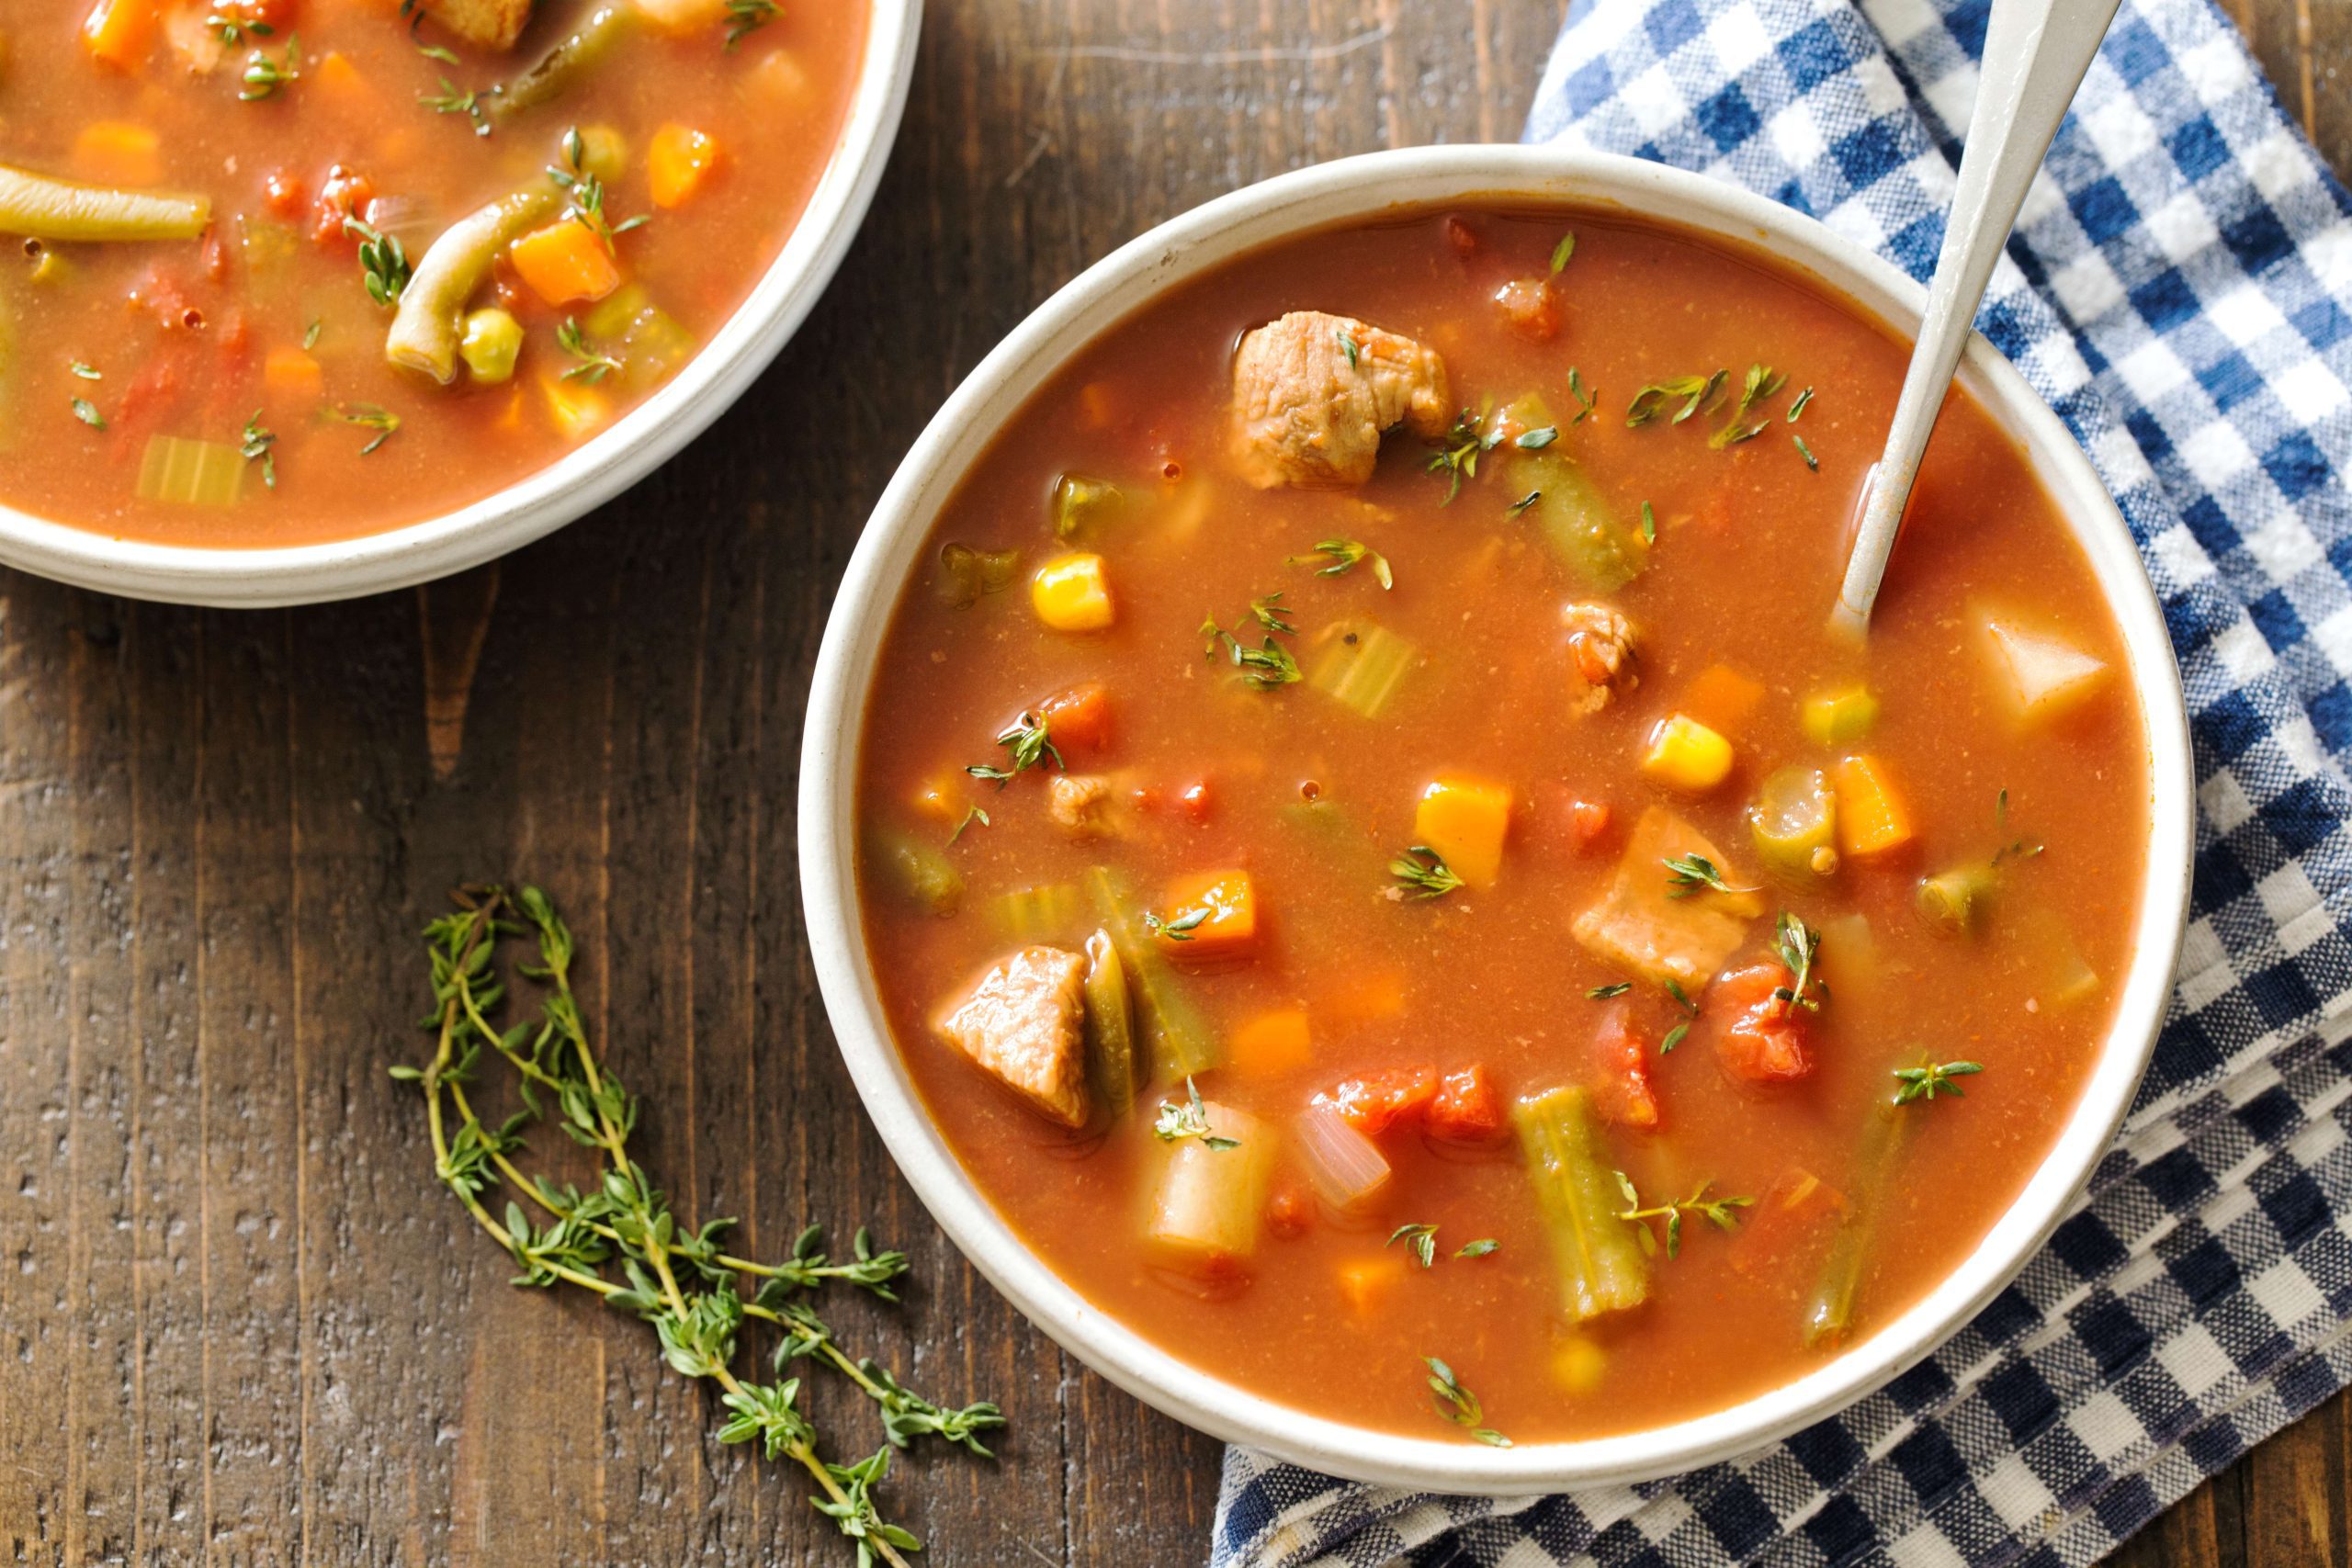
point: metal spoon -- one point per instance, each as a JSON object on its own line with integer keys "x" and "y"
{"x": 2035, "y": 54}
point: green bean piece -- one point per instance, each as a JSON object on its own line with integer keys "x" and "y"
{"x": 1598, "y": 1256}
{"x": 430, "y": 324}
{"x": 565, "y": 63}
{"x": 1829, "y": 1318}
{"x": 48, "y": 209}
{"x": 1958, "y": 899}
{"x": 922, "y": 874}
{"x": 1109, "y": 1026}
{"x": 1180, "y": 1039}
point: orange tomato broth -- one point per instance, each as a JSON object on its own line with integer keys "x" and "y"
{"x": 193, "y": 338}
{"x": 1731, "y": 612}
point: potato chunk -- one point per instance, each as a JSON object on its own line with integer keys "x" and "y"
{"x": 1023, "y": 1025}
{"x": 1640, "y": 927}
{"x": 2042, "y": 674}
{"x": 1312, "y": 393}
{"x": 485, "y": 24}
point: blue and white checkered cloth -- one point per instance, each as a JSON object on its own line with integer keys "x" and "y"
{"x": 2180, "y": 290}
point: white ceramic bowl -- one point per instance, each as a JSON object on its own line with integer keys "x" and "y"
{"x": 575, "y": 484}
{"x": 1356, "y": 189}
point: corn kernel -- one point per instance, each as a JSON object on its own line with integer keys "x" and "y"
{"x": 1464, "y": 820}
{"x": 1838, "y": 718}
{"x": 1579, "y": 1364}
{"x": 1686, "y": 755}
{"x": 1071, "y": 595}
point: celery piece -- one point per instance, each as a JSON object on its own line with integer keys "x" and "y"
{"x": 1109, "y": 1026}
{"x": 192, "y": 473}
{"x": 1829, "y": 1316}
{"x": 966, "y": 575}
{"x": 1837, "y": 717}
{"x": 1179, "y": 1038}
{"x": 1598, "y": 1256}
{"x": 1079, "y": 502}
{"x": 1045, "y": 913}
{"x": 1957, "y": 900}
{"x": 920, "y": 873}
{"x": 1794, "y": 823}
{"x": 1361, "y": 665}
{"x": 616, "y": 311}
{"x": 1576, "y": 520}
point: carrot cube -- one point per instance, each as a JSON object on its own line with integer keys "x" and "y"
{"x": 1271, "y": 1043}
{"x": 1872, "y": 817}
{"x": 677, "y": 161}
{"x": 1365, "y": 1282}
{"x": 1209, "y": 916}
{"x": 293, "y": 375}
{"x": 1465, "y": 821}
{"x": 564, "y": 262}
{"x": 118, "y": 152}
{"x": 1723, "y": 698}
{"x": 118, "y": 31}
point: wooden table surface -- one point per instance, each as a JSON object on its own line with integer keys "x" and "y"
{"x": 242, "y": 1323}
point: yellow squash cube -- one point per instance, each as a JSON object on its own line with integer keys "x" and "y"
{"x": 1686, "y": 755}
{"x": 1465, "y": 821}
{"x": 1071, "y": 594}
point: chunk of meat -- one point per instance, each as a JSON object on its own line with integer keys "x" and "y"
{"x": 1080, "y": 803}
{"x": 1600, "y": 656}
{"x": 1312, "y": 393}
{"x": 1638, "y": 926}
{"x": 485, "y": 24}
{"x": 1023, "y": 1025}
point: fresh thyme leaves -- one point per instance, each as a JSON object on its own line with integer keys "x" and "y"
{"x": 1929, "y": 1080}
{"x": 1686, "y": 875}
{"x": 1269, "y": 664}
{"x": 232, "y": 31}
{"x": 1347, "y": 345}
{"x": 1343, "y": 555}
{"x": 1030, "y": 741}
{"x": 1478, "y": 1248}
{"x": 1524, "y": 501}
{"x": 1563, "y": 251}
{"x": 1649, "y": 525}
{"x": 584, "y": 192}
{"x": 674, "y": 1276}
{"x": 263, "y": 77}
{"x": 1459, "y": 1405}
{"x": 2011, "y": 849}
{"x": 258, "y": 440}
{"x": 1762, "y": 381}
{"x": 88, "y": 413}
{"x": 1422, "y": 873}
{"x": 453, "y": 99}
{"x": 1806, "y": 453}
{"x": 84, "y": 372}
{"x": 745, "y": 18}
{"x": 367, "y": 416}
{"x": 1614, "y": 988}
{"x": 1421, "y": 1238}
{"x": 1673, "y": 1038}
{"x": 383, "y": 262}
{"x": 1535, "y": 440}
{"x": 311, "y": 334}
{"x": 593, "y": 367}
{"x": 1796, "y": 405}
{"x": 1799, "y": 946}
{"x": 1695, "y": 391}
{"x": 436, "y": 51}
{"x": 1587, "y": 398}
{"x": 1189, "y": 1120}
{"x": 971, "y": 816}
{"x": 1458, "y": 452}
{"x": 1716, "y": 1212}
{"x": 1178, "y": 927}
{"x": 1681, "y": 997}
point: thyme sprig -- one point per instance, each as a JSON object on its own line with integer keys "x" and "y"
{"x": 1716, "y": 1212}
{"x": 1458, "y": 452}
{"x": 1929, "y": 1080}
{"x": 1030, "y": 740}
{"x": 1459, "y": 1405}
{"x": 674, "y": 1277}
{"x": 1422, "y": 873}
{"x": 1686, "y": 875}
{"x": 1269, "y": 664}
{"x": 1343, "y": 555}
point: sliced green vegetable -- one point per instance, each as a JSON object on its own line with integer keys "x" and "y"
{"x": 1046, "y": 913}
{"x": 1794, "y": 823}
{"x": 1081, "y": 502}
{"x": 1838, "y": 718}
{"x": 47, "y": 208}
{"x": 430, "y": 322}
{"x": 1958, "y": 900}
{"x": 1109, "y": 1026}
{"x": 191, "y": 473}
{"x": 1829, "y": 1318}
{"x": 1179, "y": 1038}
{"x": 568, "y": 62}
{"x": 645, "y": 339}
{"x": 1361, "y": 664}
{"x": 966, "y": 575}
{"x": 919, "y": 871}
{"x": 1576, "y": 520}
{"x": 1598, "y": 1256}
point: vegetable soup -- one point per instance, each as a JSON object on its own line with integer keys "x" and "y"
{"x": 281, "y": 271}
{"x": 1383, "y": 874}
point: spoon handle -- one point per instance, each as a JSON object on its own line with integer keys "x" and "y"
{"x": 2035, "y": 54}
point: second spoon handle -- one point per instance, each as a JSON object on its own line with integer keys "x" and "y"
{"x": 2036, "y": 52}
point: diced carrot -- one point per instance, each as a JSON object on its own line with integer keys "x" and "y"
{"x": 1365, "y": 1282}
{"x": 942, "y": 796}
{"x": 1465, "y": 1106}
{"x": 677, "y": 161}
{"x": 1376, "y": 1102}
{"x": 1766, "y": 1042}
{"x": 118, "y": 152}
{"x": 1095, "y": 405}
{"x": 1079, "y": 718}
{"x": 1465, "y": 821}
{"x": 1210, "y": 916}
{"x": 1723, "y": 698}
{"x": 119, "y": 33}
{"x": 1871, "y": 818}
{"x": 1270, "y": 1043}
{"x": 779, "y": 75}
{"x": 333, "y": 75}
{"x": 564, "y": 262}
{"x": 291, "y": 375}
{"x": 1361, "y": 998}
{"x": 1622, "y": 1091}
{"x": 1587, "y": 821}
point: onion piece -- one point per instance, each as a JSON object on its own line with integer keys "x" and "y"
{"x": 1346, "y": 1167}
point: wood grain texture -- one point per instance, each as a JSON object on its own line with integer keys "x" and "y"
{"x": 242, "y": 1324}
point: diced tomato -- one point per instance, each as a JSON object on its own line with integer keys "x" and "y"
{"x": 1465, "y": 1107}
{"x": 1588, "y": 821}
{"x": 1787, "y": 1223}
{"x": 1079, "y": 718}
{"x": 1622, "y": 1092}
{"x": 1461, "y": 237}
{"x": 1290, "y": 1211}
{"x": 1375, "y": 1102}
{"x": 1197, "y": 801}
{"x": 1766, "y": 1042}
{"x": 1531, "y": 307}
{"x": 344, "y": 193}
{"x": 284, "y": 193}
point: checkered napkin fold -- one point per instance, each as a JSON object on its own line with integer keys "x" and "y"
{"x": 2180, "y": 292}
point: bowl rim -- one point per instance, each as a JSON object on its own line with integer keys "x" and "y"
{"x": 576, "y": 483}
{"x": 1364, "y": 189}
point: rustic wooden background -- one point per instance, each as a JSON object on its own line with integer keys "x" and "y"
{"x": 242, "y": 1323}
